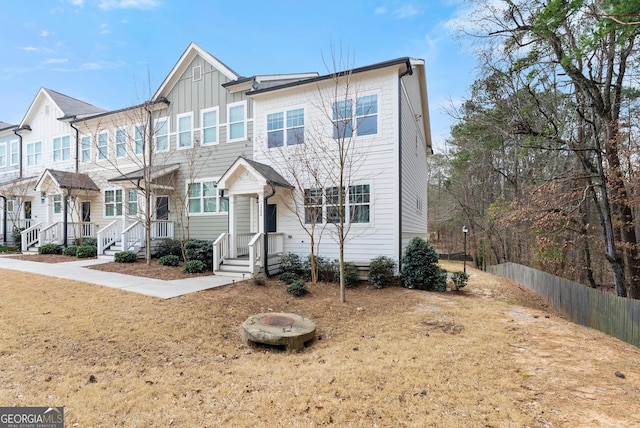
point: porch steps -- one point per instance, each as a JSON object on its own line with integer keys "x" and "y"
{"x": 237, "y": 268}
{"x": 116, "y": 247}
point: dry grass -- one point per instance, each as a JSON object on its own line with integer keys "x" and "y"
{"x": 487, "y": 356}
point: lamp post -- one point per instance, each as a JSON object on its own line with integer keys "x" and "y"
{"x": 464, "y": 263}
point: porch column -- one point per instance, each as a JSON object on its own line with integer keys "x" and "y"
{"x": 233, "y": 227}
{"x": 261, "y": 213}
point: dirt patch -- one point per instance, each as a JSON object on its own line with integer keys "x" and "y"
{"x": 490, "y": 355}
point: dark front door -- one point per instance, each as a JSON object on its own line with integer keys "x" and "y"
{"x": 86, "y": 219}
{"x": 271, "y": 218}
{"x": 162, "y": 208}
{"x": 27, "y": 214}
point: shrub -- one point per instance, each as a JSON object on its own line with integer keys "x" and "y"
{"x": 169, "y": 260}
{"x": 259, "y": 280}
{"x": 4, "y": 249}
{"x": 297, "y": 288}
{"x": 50, "y": 249}
{"x": 71, "y": 250}
{"x": 193, "y": 266}
{"x": 201, "y": 250}
{"x": 290, "y": 262}
{"x": 17, "y": 237}
{"x": 125, "y": 257}
{"x": 420, "y": 268}
{"x": 86, "y": 252}
{"x": 90, "y": 242}
{"x": 169, "y": 247}
{"x": 288, "y": 277}
{"x": 351, "y": 275}
{"x": 381, "y": 271}
{"x": 460, "y": 279}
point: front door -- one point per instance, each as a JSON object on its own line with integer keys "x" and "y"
{"x": 86, "y": 219}
{"x": 162, "y": 208}
{"x": 271, "y": 218}
{"x": 27, "y": 214}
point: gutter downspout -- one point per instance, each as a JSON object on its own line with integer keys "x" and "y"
{"x": 77, "y": 145}
{"x": 15, "y": 131}
{"x": 408, "y": 71}
{"x": 265, "y": 249}
{"x": 4, "y": 220}
{"x": 65, "y": 224}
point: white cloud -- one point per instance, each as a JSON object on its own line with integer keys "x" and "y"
{"x": 129, "y": 4}
{"x": 104, "y": 29}
{"x": 380, "y": 10}
{"x": 46, "y": 33}
{"x": 405, "y": 11}
{"x": 55, "y": 61}
{"x": 29, "y": 49}
{"x": 77, "y": 2}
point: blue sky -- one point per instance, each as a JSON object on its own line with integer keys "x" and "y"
{"x": 114, "y": 53}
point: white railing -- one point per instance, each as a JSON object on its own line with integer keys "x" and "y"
{"x": 51, "y": 234}
{"x": 255, "y": 253}
{"x": 220, "y": 250}
{"x": 161, "y": 229}
{"x": 81, "y": 230}
{"x": 242, "y": 243}
{"x": 108, "y": 236}
{"x": 276, "y": 243}
{"x": 133, "y": 235}
{"x": 29, "y": 236}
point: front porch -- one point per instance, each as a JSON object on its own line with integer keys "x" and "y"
{"x": 245, "y": 254}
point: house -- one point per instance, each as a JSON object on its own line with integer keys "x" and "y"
{"x": 218, "y": 156}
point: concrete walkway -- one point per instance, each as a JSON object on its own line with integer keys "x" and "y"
{"x": 78, "y": 271}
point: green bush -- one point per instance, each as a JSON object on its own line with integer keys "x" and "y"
{"x": 125, "y": 257}
{"x": 381, "y": 271}
{"x": 201, "y": 250}
{"x": 297, "y": 288}
{"x": 290, "y": 262}
{"x": 50, "y": 249}
{"x": 420, "y": 268}
{"x": 4, "y": 249}
{"x": 288, "y": 277}
{"x": 259, "y": 280}
{"x": 169, "y": 260}
{"x": 460, "y": 279}
{"x": 193, "y": 266}
{"x": 71, "y": 250}
{"x": 351, "y": 275}
{"x": 91, "y": 242}
{"x": 169, "y": 247}
{"x": 86, "y": 252}
{"x": 16, "y": 236}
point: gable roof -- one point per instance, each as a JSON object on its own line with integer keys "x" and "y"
{"x": 4, "y": 126}
{"x": 268, "y": 174}
{"x": 156, "y": 171}
{"x": 70, "y": 107}
{"x": 185, "y": 59}
{"x": 69, "y": 180}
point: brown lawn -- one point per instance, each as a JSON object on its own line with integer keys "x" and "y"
{"x": 491, "y": 355}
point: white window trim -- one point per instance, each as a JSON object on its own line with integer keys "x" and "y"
{"x": 61, "y": 150}
{"x": 98, "y": 151}
{"x": 33, "y": 144}
{"x": 178, "y": 131}
{"x": 115, "y": 142}
{"x": 378, "y": 114}
{"x": 203, "y": 213}
{"x": 129, "y": 202}
{"x": 17, "y": 145}
{"x": 56, "y": 202}
{"x": 168, "y": 134}
{"x": 6, "y": 154}
{"x": 229, "y": 123}
{"x": 114, "y": 203}
{"x": 135, "y": 142}
{"x": 326, "y": 206}
{"x": 285, "y": 128}
{"x": 82, "y": 149}
{"x": 203, "y": 128}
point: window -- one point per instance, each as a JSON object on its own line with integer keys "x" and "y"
{"x": 359, "y": 199}
{"x": 121, "y": 143}
{"x": 210, "y": 126}
{"x": 103, "y": 145}
{"x": 334, "y": 208}
{"x": 185, "y": 130}
{"x": 313, "y": 206}
{"x": 57, "y": 204}
{"x": 293, "y": 133}
{"x": 204, "y": 198}
{"x": 14, "y": 152}
{"x": 12, "y": 204}
{"x": 3, "y": 155}
{"x": 85, "y": 149}
{"x": 162, "y": 134}
{"x": 366, "y": 117}
{"x": 34, "y": 153}
{"x": 237, "y": 125}
{"x": 112, "y": 203}
{"x": 61, "y": 149}
{"x": 132, "y": 200}
{"x": 138, "y": 139}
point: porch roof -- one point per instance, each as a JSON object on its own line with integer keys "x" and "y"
{"x": 68, "y": 180}
{"x": 259, "y": 170}
{"x": 17, "y": 186}
{"x": 156, "y": 171}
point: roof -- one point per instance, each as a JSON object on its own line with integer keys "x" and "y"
{"x": 379, "y": 65}
{"x": 70, "y": 107}
{"x": 156, "y": 171}
{"x": 69, "y": 180}
{"x": 4, "y": 126}
{"x": 267, "y": 172}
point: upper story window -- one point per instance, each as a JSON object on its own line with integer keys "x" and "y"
{"x": 285, "y": 128}
{"x": 112, "y": 203}
{"x": 61, "y": 148}
{"x": 14, "y": 152}
{"x": 209, "y": 123}
{"x": 103, "y": 145}
{"x": 138, "y": 139}
{"x": 185, "y": 130}
{"x": 3, "y": 155}
{"x": 348, "y": 122}
{"x": 237, "y": 125}
{"x": 85, "y": 149}
{"x": 161, "y": 134}
{"x": 34, "y": 153}
{"x": 204, "y": 198}
{"x": 121, "y": 142}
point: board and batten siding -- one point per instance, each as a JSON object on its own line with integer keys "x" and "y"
{"x": 377, "y": 157}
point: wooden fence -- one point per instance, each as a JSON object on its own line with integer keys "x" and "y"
{"x": 613, "y": 315}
